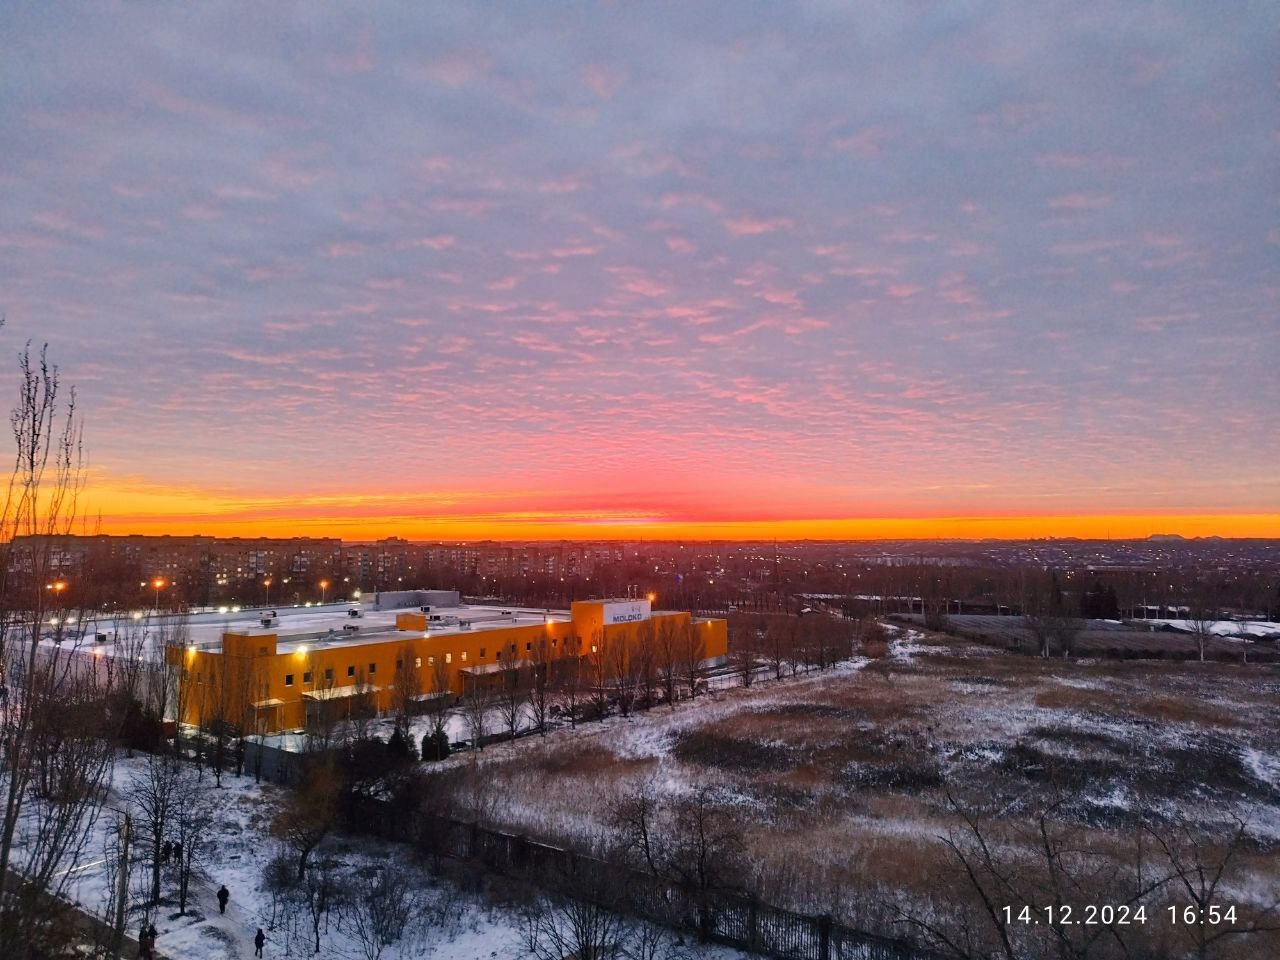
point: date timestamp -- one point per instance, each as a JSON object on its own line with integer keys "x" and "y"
{"x": 1117, "y": 915}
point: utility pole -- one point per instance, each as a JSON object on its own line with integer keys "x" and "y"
{"x": 122, "y": 888}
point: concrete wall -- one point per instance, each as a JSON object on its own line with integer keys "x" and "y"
{"x": 395, "y": 599}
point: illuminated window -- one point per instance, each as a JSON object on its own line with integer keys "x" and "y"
{"x": 464, "y": 656}
{"x": 417, "y": 661}
{"x": 288, "y": 679}
{"x": 594, "y": 648}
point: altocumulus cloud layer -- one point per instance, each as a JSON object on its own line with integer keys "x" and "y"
{"x": 736, "y": 261}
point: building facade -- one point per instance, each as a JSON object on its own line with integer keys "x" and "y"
{"x": 266, "y": 680}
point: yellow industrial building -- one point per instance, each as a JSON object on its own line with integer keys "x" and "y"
{"x": 275, "y": 672}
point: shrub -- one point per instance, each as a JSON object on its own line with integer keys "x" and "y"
{"x": 435, "y": 746}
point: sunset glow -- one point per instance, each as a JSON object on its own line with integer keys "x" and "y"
{"x": 543, "y": 273}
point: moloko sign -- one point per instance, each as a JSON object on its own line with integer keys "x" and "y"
{"x": 629, "y": 611}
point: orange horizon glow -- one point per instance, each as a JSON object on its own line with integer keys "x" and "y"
{"x": 120, "y": 506}
{"x": 523, "y": 528}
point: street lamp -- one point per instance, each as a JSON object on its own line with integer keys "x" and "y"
{"x": 159, "y": 584}
{"x": 324, "y": 585}
{"x": 266, "y": 587}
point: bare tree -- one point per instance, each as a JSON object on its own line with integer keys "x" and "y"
{"x": 310, "y": 813}
{"x": 644, "y": 663}
{"x": 1202, "y": 869}
{"x": 569, "y": 678}
{"x": 55, "y": 748}
{"x": 693, "y": 651}
{"x": 510, "y": 695}
{"x": 559, "y": 926}
{"x": 541, "y": 666}
{"x": 597, "y": 669}
{"x": 438, "y": 704}
{"x": 743, "y": 644}
{"x": 320, "y": 893}
{"x": 1202, "y": 613}
{"x": 776, "y": 635}
{"x": 619, "y": 665}
{"x": 668, "y": 658}
{"x": 381, "y": 909}
{"x": 406, "y": 695}
{"x": 192, "y": 820}
{"x": 151, "y": 796}
{"x": 1020, "y": 889}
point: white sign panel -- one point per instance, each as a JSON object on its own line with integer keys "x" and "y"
{"x": 628, "y": 611}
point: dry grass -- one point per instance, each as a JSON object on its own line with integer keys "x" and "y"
{"x": 836, "y": 778}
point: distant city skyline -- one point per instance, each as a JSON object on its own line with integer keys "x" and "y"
{"x": 835, "y": 271}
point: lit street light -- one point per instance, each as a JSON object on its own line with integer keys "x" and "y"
{"x": 266, "y": 588}
{"x": 159, "y": 584}
{"x": 324, "y": 585}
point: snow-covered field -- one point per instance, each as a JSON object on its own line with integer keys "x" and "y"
{"x": 837, "y": 777}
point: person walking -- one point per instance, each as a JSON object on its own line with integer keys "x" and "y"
{"x": 258, "y": 940}
{"x": 223, "y": 896}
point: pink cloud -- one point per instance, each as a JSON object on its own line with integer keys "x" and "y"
{"x": 867, "y": 143}
{"x": 438, "y": 242}
{"x": 747, "y": 226}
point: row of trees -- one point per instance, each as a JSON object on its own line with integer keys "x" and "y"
{"x": 788, "y": 643}
{"x": 662, "y": 663}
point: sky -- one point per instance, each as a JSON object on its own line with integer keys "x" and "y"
{"x": 530, "y": 270}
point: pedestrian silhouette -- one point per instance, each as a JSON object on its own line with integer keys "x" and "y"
{"x": 223, "y": 896}
{"x": 258, "y": 940}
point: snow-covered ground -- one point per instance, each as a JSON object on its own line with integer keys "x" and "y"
{"x": 449, "y": 924}
{"x": 1224, "y": 628}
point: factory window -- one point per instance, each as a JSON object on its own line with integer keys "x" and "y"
{"x": 328, "y": 674}
{"x": 448, "y": 658}
{"x": 464, "y": 656}
{"x": 306, "y": 677}
{"x": 529, "y": 645}
{"x": 594, "y": 648}
{"x": 288, "y": 679}
{"x": 482, "y": 653}
{"x": 351, "y": 670}
{"x": 417, "y": 661}
{"x": 373, "y": 668}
